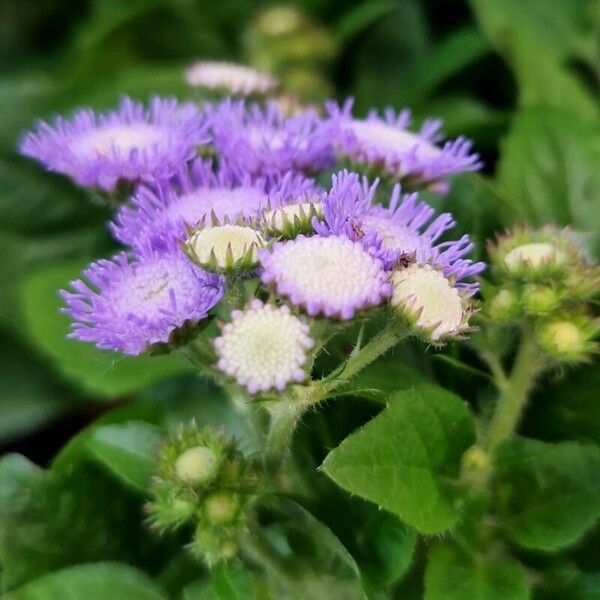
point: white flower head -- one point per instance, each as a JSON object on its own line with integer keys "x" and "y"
{"x": 429, "y": 301}
{"x": 264, "y": 347}
{"x": 231, "y": 78}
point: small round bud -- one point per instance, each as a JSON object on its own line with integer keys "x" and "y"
{"x": 221, "y": 508}
{"x": 562, "y": 339}
{"x": 475, "y": 464}
{"x": 533, "y": 256}
{"x": 539, "y": 300}
{"x": 197, "y": 465}
{"x": 504, "y": 306}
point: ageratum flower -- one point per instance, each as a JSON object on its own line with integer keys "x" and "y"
{"x": 333, "y": 276}
{"x": 264, "y": 140}
{"x": 264, "y": 347}
{"x": 129, "y": 304}
{"x": 406, "y": 229}
{"x": 231, "y": 78}
{"x": 132, "y": 143}
{"x": 385, "y": 144}
{"x": 162, "y": 211}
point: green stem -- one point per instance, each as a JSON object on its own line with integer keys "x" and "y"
{"x": 514, "y": 392}
{"x": 287, "y": 412}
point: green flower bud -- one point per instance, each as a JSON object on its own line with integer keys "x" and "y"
{"x": 504, "y": 306}
{"x": 568, "y": 340}
{"x": 221, "y": 508}
{"x": 540, "y": 300}
{"x": 224, "y": 247}
{"x": 214, "y": 545}
{"x": 475, "y": 464}
{"x": 197, "y": 465}
{"x": 533, "y": 257}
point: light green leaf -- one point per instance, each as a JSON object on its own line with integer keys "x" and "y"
{"x": 100, "y": 373}
{"x": 407, "y": 458}
{"x": 128, "y": 450}
{"x": 548, "y": 495}
{"x": 452, "y": 574}
{"x": 549, "y": 169}
{"x": 94, "y": 581}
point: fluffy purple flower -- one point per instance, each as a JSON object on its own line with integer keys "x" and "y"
{"x": 129, "y": 304}
{"x": 159, "y": 213}
{"x": 264, "y": 140}
{"x": 404, "y": 229}
{"x": 132, "y": 143}
{"x": 385, "y": 142}
{"x": 333, "y": 275}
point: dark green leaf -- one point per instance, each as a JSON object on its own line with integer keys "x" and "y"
{"x": 50, "y": 521}
{"x": 304, "y": 555}
{"x": 94, "y": 581}
{"x": 407, "y": 458}
{"x": 548, "y": 494}
{"x": 128, "y": 450}
{"x": 102, "y": 373}
{"x": 452, "y": 574}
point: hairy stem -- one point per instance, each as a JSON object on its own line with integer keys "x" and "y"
{"x": 514, "y": 392}
{"x": 287, "y": 412}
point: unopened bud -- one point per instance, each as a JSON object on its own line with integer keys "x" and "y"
{"x": 221, "y": 508}
{"x": 533, "y": 256}
{"x": 504, "y": 306}
{"x": 197, "y": 465}
{"x": 562, "y": 339}
{"x": 539, "y": 299}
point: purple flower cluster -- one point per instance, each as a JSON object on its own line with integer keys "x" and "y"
{"x": 336, "y": 265}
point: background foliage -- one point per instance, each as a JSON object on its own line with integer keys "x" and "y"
{"x": 520, "y": 78}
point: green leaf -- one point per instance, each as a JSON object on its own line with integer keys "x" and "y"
{"x": 388, "y": 545}
{"x": 446, "y": 58}
{"x": 407, "y": 458}
{"x": 128, "y": 450}
{"x": 94, "y": 581}
{"x": 559, "y": 26}
{"x": 548, "y": 495}
{"x": 29, "y": 398}
{"x": 549, "y": 169}
{"x": 537, "y": 38}
{"x": 362, "y": 16}
{"x": 452, "y": 574}
{"x": 567, "y": 409}
{"x": 302, "y": 553}
{"x": 49, "y": 521}
{"x": 100, "y": 373}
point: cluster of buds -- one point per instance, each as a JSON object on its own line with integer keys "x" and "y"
{"x": 545, "y": 277}
{"x": 203, "y": 482}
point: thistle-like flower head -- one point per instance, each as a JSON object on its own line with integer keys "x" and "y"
{"x": 130, "y": 303}
{"x": 384, "y": 144}
{"x": 163, "y": 211}
{"x": 231, "y": 78}
{"x": 263, "y": 140}
{"x": 132, "y": 143}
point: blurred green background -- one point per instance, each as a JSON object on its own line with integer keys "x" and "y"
{"x": 520, "y": 78}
